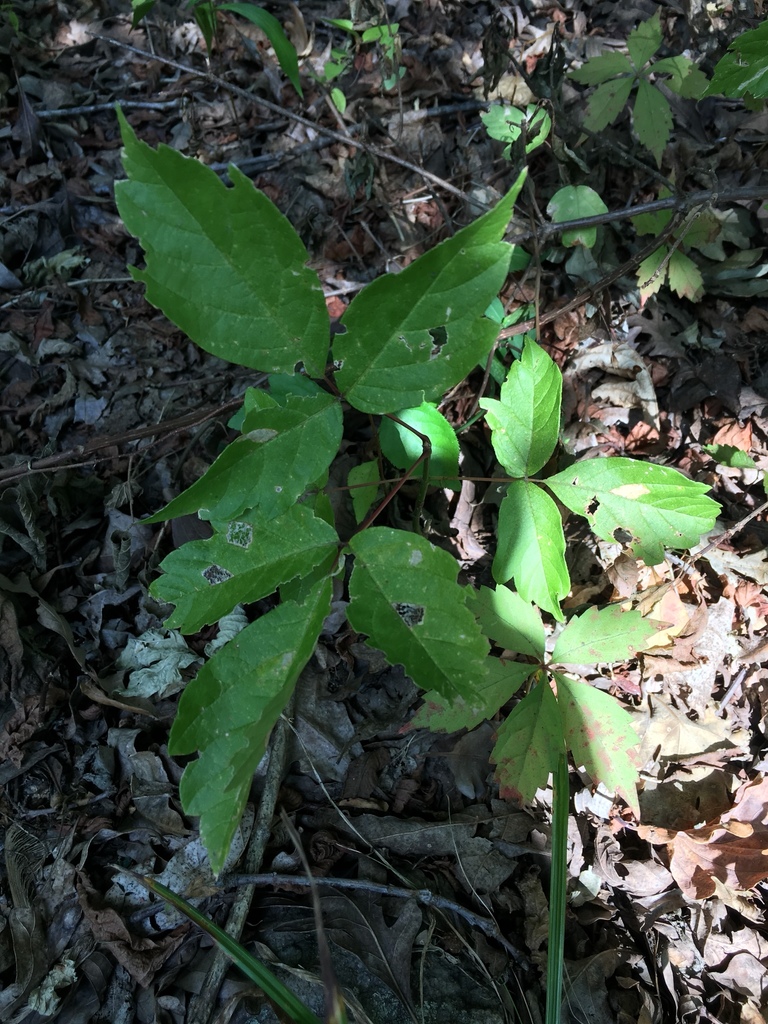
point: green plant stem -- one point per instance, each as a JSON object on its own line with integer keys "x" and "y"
{"x": 557, "y": 889}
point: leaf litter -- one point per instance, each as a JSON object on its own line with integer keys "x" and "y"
{"x": 86, "y": 774}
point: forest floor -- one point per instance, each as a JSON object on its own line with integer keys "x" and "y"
{"x": 107, "y": 411}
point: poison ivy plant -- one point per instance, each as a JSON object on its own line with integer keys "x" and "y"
{"x": 616, "y": 75}
{"x": 403, "y": 341}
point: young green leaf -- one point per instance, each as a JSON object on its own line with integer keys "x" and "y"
{"x": 244, "y": 561}
{"x": 411, "y": 336}
{"x": 599, "y": 734}
{"x": 228, "y": 710}
{"x": 729, "y": 455}
{"x": 285, "y": 447}
{"x": 525, "y": 422}
{"x": 657, "y": 505}
{"x": 439, "y": 714}
{"x": 509, "y": 621}
{"x": 529, "y": 744}
{"x": 743, "y": 71}
{"x": 652, "y": 118}
{"x": 402, "y": 447}
{"x": 531, "y": 547}
{"x": 364, "y": 497}
{"x": 572, "y": 203}
{"x": 404, "y": 595}
{"x": 603, "y": 635}
{"x": 284, "y": 49}
{"x": 644, "y": 41}
{"x": 224, "y": 264}
{"x": 506, "y": 124}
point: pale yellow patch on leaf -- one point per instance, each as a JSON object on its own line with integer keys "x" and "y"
{"x": 630, "y": 491}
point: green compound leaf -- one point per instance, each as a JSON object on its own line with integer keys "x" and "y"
{"x": 652, "y": 118}
{"x": 404, "y": 595}
{"x": 244, "y": 561}
{"x": 656, "y": 504}
{"x": 283, "y": 449}
{"x": 509, "y": 621}
{"x": 439, "y": 714}
{"x": 685, "y": 277}
{"x": 223, "y": 264}
{"x": 364, "y": 497}
{"x": 644, "y": 41}
{"x": 607, "y": 102}
{"x": 603, "y": 635}
{"x": 600, "y": 69}
{"x": 531, "y": 547}
{"x": 529, "y": 744}
{"x": 599, "y": 734}
{"x": 525, "y": 422}
{"x": 744, "y": 68}
{"x": 228, "y": 710}
{"x": 273, "y": 30}
{"x": 572, "y": 203}
{"x": 411, "y": 336}
{"x": 402, "y": 447}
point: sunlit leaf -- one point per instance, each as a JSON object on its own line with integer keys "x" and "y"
{"x": 744, "y": 68}
{"x": 654, "y": 506}
{"x": 525, "y": 421}
{"x": 529, "y": 744}
{"x": 573, "y": 203}
{"x": 531, "y": 547}
{"x": 685, "y": 277}
{"x": 599, "y": 735}
{"x": 402, "y": 447}
{"x": 404, "y": 595}
{"x": 439, "y": 714}
{"x": 602, "y": 635}
{"x": 507, "y": 619}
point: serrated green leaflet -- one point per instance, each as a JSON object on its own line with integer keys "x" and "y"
{"x": 439, "y": 714}
{"x": 284, "y": 448}
{"x": 402, "y": 447}
{"x": 525, "y": 422}
{"x": 656, "y": 504}
{"x": 607, "y": 102}
{"x": 652, "y": 118}
{"x": 603, "y": 635}
{"x": 531, "y": 547}
{"x": 728, "y": 455}
{"x": 404, "y": 595}
{"x": 244, "y": 561}
{"x": 599, "y": 734}
{"x": 229, "y": 708}
{"x": 600, "y": 69}
{"x": 223, "y": 264}
{"x": 529, "y": 744}
{"x": 508, "y": 620}
{"x": 644, "y": 41}
{"x": 411, "y": 336}
{"x": 684, "y": 276}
